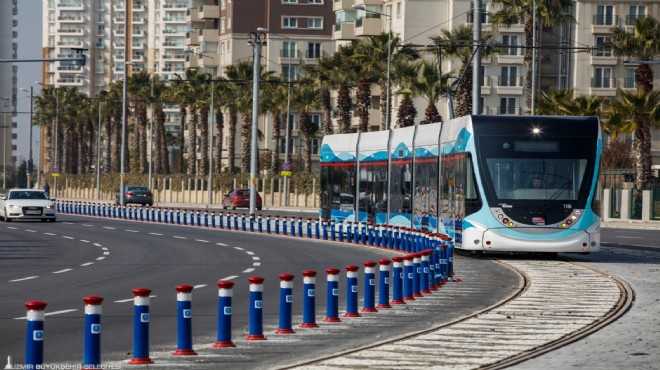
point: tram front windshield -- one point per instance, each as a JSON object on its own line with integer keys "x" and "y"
{"x": 519, "y": 170}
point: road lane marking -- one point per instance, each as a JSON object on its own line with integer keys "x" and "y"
{"x": 132, "y": 231}
{"x": 248, "y": 270}
{"x": 628, "y": 237}
{"x": 179, "y": 237}
{"x": 109, "y": 228}
{"x": 106, "y": 253}
{"x": 100, "y": 258}
{"x": 87, "y": 264}
{"x": 201, "y": 240}
{"x": 157, "y": 234}
{"x": 23, "y": 279}
{"x": 256, "y": 258}
{"x": 232, "y": 277}
{"x": 239, "y": 248}
{"x": 88, "y": 225}
{"x": 84, "y": 241}
{"x": 50, "y": 313}
{"x": 132, "y": 299}
{"x": 31, "y": 231}
{"x": 200, "y": 286}
{"x": 104, "y": 248}
{"x": 67, "y": 237}
{"x": 222, "y": 244}
{"x": 256, "y": 263}
{"x": 51, "y": 234}
{"x": 61, "y": 271}
{"x": 250, "y": 253}
{"x": 97, "y": 245}
{"x": 12, "y": 227}
{"x": 67, "y": 223}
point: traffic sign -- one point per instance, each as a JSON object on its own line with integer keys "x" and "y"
{"x": 286, "y": 167}
{"x": 55, "y": 174}
{"x": 285, "y": 173}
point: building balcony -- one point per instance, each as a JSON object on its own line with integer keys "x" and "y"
{"x": 119, "y": 19}
{"x": 342, "y": 5}
{"x": 70, "y": 19}
{"x": 369, "y": 26}
{"x": 71, "y": 6}
{"x": 71, "y": 81}
{"x": 138, "y": 6}
{"x": 71, "y": 31}
{"x": 486, "y": 86}
{"x": 118, "y": 44}
{"x": 69, "y": 67}
{"x": 137, "y": 58}
{"x": 170, "y": 5}
{"x": 193, "y": 15}
{"x": 603, "y": 23}
{"x": 174, "y": 56}
{"x": 209, "y": 35}
{"x": 630, "y": 19}
{"x": 119, "y": 7}
{"x": 139, "y": 20}
{"x": 192, "y": 38}
{"x": 344, "y": 31}
{"x": 69, "y": 43}
{"x": 602, "y": 57}
{"x": 175, "y": 19}
{"x": 509, "y": 85}
{"x": 209, "y": 12}
{"x": 628, "y": 84}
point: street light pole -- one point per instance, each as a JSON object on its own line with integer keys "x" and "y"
{"x": 122, "y": 178}
{"x": 98, "y": 157}
{"x": 4, "y": 143}
{"x": 388, "y": 103}
{"x": 30, "y": 165}
{"x": 256, "y": 38}
{"x": 151, "y": 136}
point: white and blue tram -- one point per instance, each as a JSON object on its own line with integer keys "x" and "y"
{"x": 491, "y": 183}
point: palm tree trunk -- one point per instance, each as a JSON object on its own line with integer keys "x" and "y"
{"x": 327, "y": 112}
{"x": 107, "y": 152}
{"x": 277, "y": 136}
{"x": 217, "y": 152}
{"x": 463, "y": 105}
{"x": 118, "y": 132}
{"x": 529, "y": 34}
{"x": 233, "y": 121}
{"x": 363, "y": 104}
{"x": 246, "y": 135}
{"x": 182, "y": 141}
{"x": 344, "y": 105}
{"x": 643, "y": 159}
{"x": 204, "y": 141}
{"x": 383, "y": 104}
{"x": 143, "y": 149}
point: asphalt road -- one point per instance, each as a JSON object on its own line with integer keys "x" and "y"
{"x": 60, "y": 263}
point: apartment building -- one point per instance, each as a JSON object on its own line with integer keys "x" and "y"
{"x": 299, "y": 32}
{"x": 8, "y": 71}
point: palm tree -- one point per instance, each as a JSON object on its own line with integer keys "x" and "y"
{"x": 46, "y": 109}
{"x": 304, "y": 98}
{"x": 139, "y": 88}
{"x": 405, "y": 74}
{"x": 549, "y": 13}
{"x": 183, "y": 94}
{"x": 564, "y": 103}
{"x": 344, "y": 78}
{"x": 321, "y": 75}
{"x": 275, "y": 102}
{"x": 636, "y": 112}
{"x": 431, "y": 86}
{"x": 642, "y": 44}
{"x": 241, "y": 75}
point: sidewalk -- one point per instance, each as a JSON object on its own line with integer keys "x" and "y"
{"x": 631, "y": 224}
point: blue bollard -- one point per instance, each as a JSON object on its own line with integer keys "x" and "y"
{"x": 206, "y": 218}
{"x": 424, "y": 276}
{"x": 260, "y": 224}
{"x": 443, "y": 263}
{"x": 349, "y": 230}
{"x": 221, "y": 223}
{"x": 185, "y": 216}
{"x": 92, "y": 346}
{"x": 141, "y": 327}
{"x": 417, "y": 272}
{"x": 450, "y": 259}
{"x": 397, "y": 280}
{"x": 364, "y": 231}
{"x": 286, "y": 301}
{"x": 34, "y": 346}
{"x": 225, "y": 293}
{"x": 243, "y": 222}
{"x": 277, "y": 225}
{"x": 178, "y": 216}
{"x": 389, "y": 242}
{"x": 308, "y": 226}
{"x": 356, "y": 232}
{"x": 324, "y": 227}
{"x": 293, "y": 226}
{"x": 309, "y": 299}
{"x": 384, "y": 284}
{"x": 198, "y": 216}
{"x": 229, "y": 220}
{"x": 408, "y": 278}
{"x": 251, "y": 222}
{"x": 369, "y": 287}
{"x": 317, "y": 228}
{"x": 332, "y": 296}
{"x": 352, "y": 291}
{"x": 159, "y": 215}
{"x": 184, "y": 345}
{"x": 235, "y": 217}
{"x": 268, "y": 224}
{"x": 370, "y": 233}
{"x": 284, "y": 226}
{"x": 256, "y": 331}
{"x": 213, "y": 219}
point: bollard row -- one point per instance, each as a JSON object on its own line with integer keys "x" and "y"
{"x": 408, "y": 279}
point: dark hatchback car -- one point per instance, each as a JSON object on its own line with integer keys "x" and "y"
{"x": 239, "y": 198}
{"x": 137, "y": 195}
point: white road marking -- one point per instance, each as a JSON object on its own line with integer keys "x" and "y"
{"x": 106, "y": 253}
{"x": 256, "y": 263}
{"x": 31, "y": 231}
{"x": 157, "y": 234}
{"x": 222, "y": 244}
{"x": 87, "y": 264}
{"x": 248, "y": 270}
{"x": 67, "y": 237}
{"x": 88, "y": 225}
{"x": 200, "y": 286}
{"x": 230, "y": 277}
{"x": 100, "y": 258}
{"x": 109, "y": 227}
{"x": 50, "y": 313}
{"x": 12, "y": 227}
{"x": 179, "y": 237}
{"x": 61, "y": 271}
{"x": 97, "y": 244}
{"x": 628, "y": 237}
{"x": 132, "y": 299}
{"x": 104, "y": 248}
{"x": 84, "y": 241}
{"x": 51, "y": 234}
{"x": 68, "y": 223}
{"x": 250, "y": 253}
{"x": 256, "y": 258}
{"x": 239, "y": 248}
{"x": 201, "y": 240}
{"x": 23, "y": 279}
{"x": 132, "y": 231}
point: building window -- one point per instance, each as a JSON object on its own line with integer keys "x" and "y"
{"x": 289, "y": 1}
{"x": 629, "y": 82}
{"x": 315, "y": 2}
{"x": 509, "y": 76}
{"x": 484, "y": 13}
{"x": 282, "y": 146}
{"x": 509, "y": 45}
{"x": 604, "y": 15}
{"x": 602, "y": 47}
{"x": 289, "y": 71}
{"x": 289, "y": 49}
{"x": 290, "y": 22}
{"x": 507, "y": 105}
{"x": 316, "y": 23}
{"x": 602, "y": 78}
{"x": 635, "y": 11}
{"x": 314, "y": 50}
{"x": 315, "y": 146}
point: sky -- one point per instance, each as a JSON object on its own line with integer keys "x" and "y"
{"x": 29, "y": 47}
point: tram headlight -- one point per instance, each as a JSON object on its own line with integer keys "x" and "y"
{"x": 500, "y": 216}
{"x": 574, "y": 217}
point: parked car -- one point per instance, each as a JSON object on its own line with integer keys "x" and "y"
{"x": 239, "y": 198}
{"x": 26, "y": 204}
{"x": 137, "y": 195}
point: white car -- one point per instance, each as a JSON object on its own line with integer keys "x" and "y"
{"x": 27, "y": 204}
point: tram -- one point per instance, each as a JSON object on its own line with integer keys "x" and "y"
{"x": 491, "y": 183}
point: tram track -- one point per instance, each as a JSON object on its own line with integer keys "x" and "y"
{"x": 558, "y": 302}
